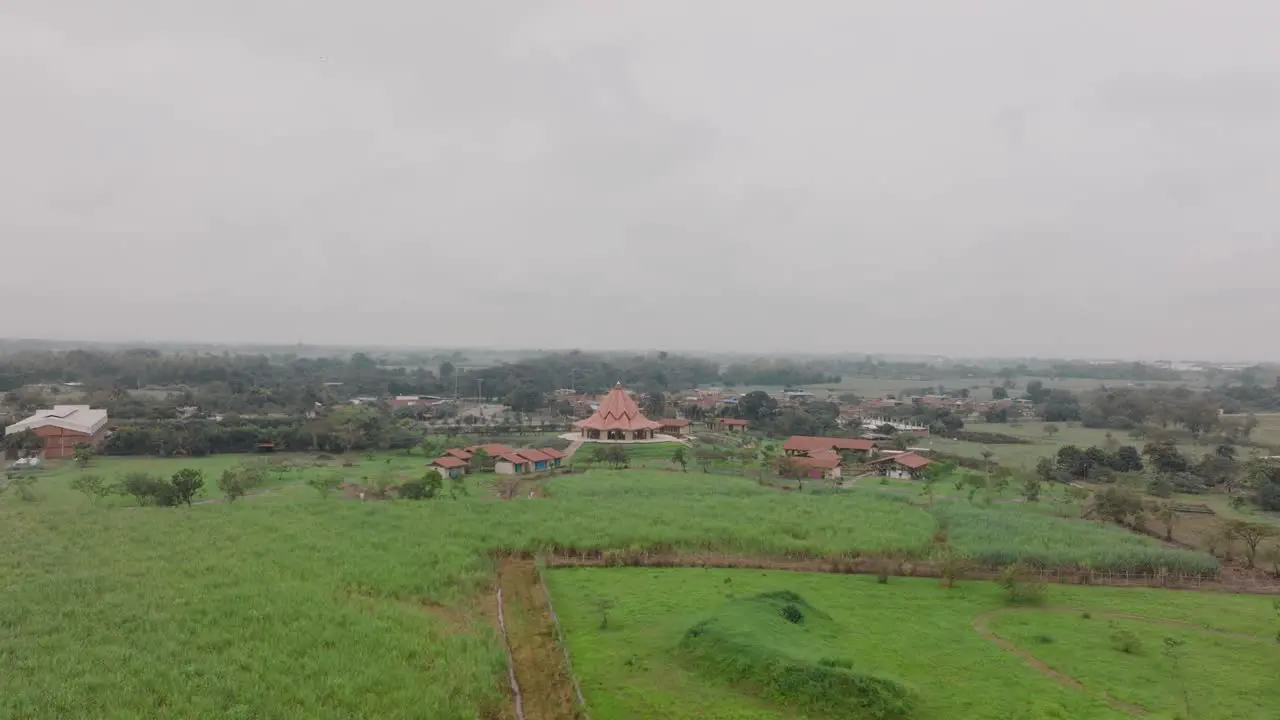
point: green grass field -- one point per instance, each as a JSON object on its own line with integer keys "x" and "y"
{"x": 289, "y": 605}
{"x": 923, "y": 636}
{"x": 1026, "y": 456}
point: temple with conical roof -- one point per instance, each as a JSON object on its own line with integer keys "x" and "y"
{"x": 618, "y": 419}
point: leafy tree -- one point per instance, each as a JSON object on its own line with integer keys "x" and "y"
{"x": 146, "y": 489}
{"x": 1167, "y": 514}
{"x": 1046, "y": 470}
{"x": 999, "y": 393}
{"x": 415, "y": 489}
{"x": 83, "y": 454}
{"x": 457, "y": 487}
{"x": 791, "y": 469}
{"x": 186, "y": 483}
{"x": 1019, "y": 586}
{"x": 1031, "y": 487}
{"x": 1074, "y": 462}
{"x": 1126, "y": 459}
{"x": 433, "y": 482}
{"x": 231, "y": 483}
{"x": 1165, "y": 457}
{"x": 600, "y": 454}
{"x": 678, "y": 457}
{"x": 323, "y": 483}
{"x": 93, "y": 487}
{"x": 616, "y": 456}
{"x": 480, "y": 460}
{"x": 1050, "y": 430}
{"x": 928, "y": 488}
{"x": 1119, "y": 505}
{"x": 1251, "y": 534}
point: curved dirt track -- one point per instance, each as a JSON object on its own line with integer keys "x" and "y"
{"x": 981, "y": 625}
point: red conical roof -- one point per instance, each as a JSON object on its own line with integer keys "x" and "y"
{"x": 618, "y": 412}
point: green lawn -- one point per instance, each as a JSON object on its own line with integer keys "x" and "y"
{"x": 289, "y": 605}
{"x": 54, "y": 481}
{"x": 1026, "y": 456}
{"x": 923, "y": 636}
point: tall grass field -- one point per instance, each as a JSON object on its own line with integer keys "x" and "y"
{"x": 287, "y": 604}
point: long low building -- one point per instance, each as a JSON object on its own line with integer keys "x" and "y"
{"x": 63, "y": 427}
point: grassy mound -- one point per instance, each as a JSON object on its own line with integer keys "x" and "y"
{"x": 780, "y": 646}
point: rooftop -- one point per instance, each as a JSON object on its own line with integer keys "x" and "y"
{"x": 618, "y": 412}
{"x": 76, "y": 418}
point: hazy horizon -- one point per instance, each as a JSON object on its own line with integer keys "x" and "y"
{"x": 989, "y": 179}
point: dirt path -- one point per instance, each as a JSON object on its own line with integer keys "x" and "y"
{"x": 545, "y": 686}
{"x": 982, "y": 626}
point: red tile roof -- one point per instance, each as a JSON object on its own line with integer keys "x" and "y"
{"x": 449, "y": 462}
{"x": 553, "y": 453}
{"x": 821, "y": 461}
{"x": 618, "y": 412}
{"x": 810, "y": 444}
{"x": 494, "y": 449}
{"x": 911, "y": 461}
{"x": 512, "y": 458}
{"x": 458, "y": 453}
{"x": 733, "y": 421}
{"x": 533, "y": 455}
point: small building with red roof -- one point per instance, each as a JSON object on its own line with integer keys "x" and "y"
{"x": 527, "y": 460}
{"x": 732, "y": 424}
{"x": 801, "y": 445}
{"x": 449, "y": 466}
{"x": 821, "y": 464}
{"x": 908, "y": 465}
{"x": 617, "y": 419}
{"x": 673, "y": 426}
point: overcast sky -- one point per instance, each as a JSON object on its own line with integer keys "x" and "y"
{"x": 1069, "y": 178}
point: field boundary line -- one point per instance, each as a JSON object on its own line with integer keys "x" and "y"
{"x": 895, "y": 567}
{"x": 511, "y": 661}
{"x": 564, "y": 646}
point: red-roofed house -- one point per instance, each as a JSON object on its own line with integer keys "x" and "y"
{"x": 511, "y": 464}
{"x": 672, "y": 426}
{"x": 903, "y": 466}
{"x": 733, "y": 424}
{"x": 821, "y": 464}
{"x": 617, "y": 418}
{"x": 555, "y": 455}
{"x": 538, "y": 459}
{"x": 799, "y": 445}
{"x": 450, "y": 466}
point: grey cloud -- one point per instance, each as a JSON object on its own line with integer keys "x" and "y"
{"x": 976, "y": 178}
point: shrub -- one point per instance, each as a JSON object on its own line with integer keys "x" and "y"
{"x": 147, "y": 489}
{"x": 413, "y": 490}
{"x": 791, "y": 613}
{"x": 236, "y": 482}
{"x": 93, "y": 487}
{"x": 1126, "y": 641}
{"x": 325, "y": 483}
{"x": 186, "y": 484}
{"x": 23, "y": 483}
{"x": 1020, "y": 589}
